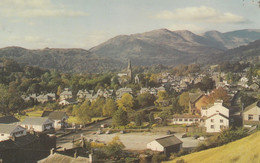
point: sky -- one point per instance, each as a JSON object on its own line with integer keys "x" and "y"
{"x": 37, "y": 24}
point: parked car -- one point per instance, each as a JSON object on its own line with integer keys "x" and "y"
{"x": 122, "y": 132}
{"x": 108, "y": 132}
{"x": 196, "y": 136}
{"x": 103, "y": 125}
{"x": 184, "y": 136}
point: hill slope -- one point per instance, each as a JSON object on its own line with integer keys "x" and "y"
{"x": 241, "y": 151}
{"x": 155, "y": 47}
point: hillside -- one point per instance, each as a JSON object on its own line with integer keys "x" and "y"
{"x": 155, "y": 47}
{"x": 240, "y": 151}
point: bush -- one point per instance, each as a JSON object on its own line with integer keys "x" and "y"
{"x": 157, "y": 158}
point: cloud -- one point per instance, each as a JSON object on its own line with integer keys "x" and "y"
{"x": 200, "y": 14}
{"x": 36, "y": 8}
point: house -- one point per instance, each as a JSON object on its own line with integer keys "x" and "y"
{"x": 216, "y": 123}
{"x": 58, "y": 117}
{"x": 195, "y": 102}
{"x": 60, "y": 158}
{"x": 217, "y": 117}
{"x": 44, "y": 98}
{"x": 187, "y": 119}
{"x": 9, "y": 120}
{"x": 66, "y": 94}
{"x": 168, "y": 144}
{"x": 68, "y": 101}
{"x": 254, "y": 87}
{"x": 83, "y": 93}
{"x": 251, "y": 115}
{"x": 38, "y": 124}
{"x": 7, "y": 131}
{"x": 216, "y": 108}
{"x": 121, "y": 91}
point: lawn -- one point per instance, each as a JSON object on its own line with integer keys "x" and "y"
{"x": 75, "y": 120}
{"x": 37, "y": 113}
{"x": 240, "y": 151}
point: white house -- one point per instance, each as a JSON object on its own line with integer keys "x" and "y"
{"x": 168, "y": 144}
{"x": 216, "y": 108}
{"x": 217, "y": 117}
{"x": 38, "y": 124}
{"x": 216, "y": 122}
{"x": 251, "y": 115}
{"x": 187, "y": 119}
{"x": 7, "y": 131}
{"x": 68, "y": 101}
{"x": 59, "y": 118}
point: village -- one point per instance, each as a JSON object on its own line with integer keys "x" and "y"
{"x": 155, "y": 128}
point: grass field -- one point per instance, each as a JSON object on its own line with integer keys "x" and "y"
{"x": 246, "y": 150}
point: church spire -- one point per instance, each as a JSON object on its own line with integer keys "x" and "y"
{"x": 129, "y": 70}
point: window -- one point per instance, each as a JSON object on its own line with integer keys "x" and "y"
{"x": 259, "y": 118}
{"x": 250, "y": 116}
{"x": 180, "y": 120}
{"x": 185, "y": 119}
{"x": 221, "y": 121}
{"x": 212, "y": 120}
{"x": 191, "y": 120}
{"x": 2, "y": 134}
{"x": 222, "y": 126}
{"x": 212, "y": 126}
{"x": 196, "y": 120}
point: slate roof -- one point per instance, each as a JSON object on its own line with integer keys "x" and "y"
{"x": 34, "y": 120}
{"x": 6, "y": 128}
{"x": 59, "y": 158}
{"x": 252, "y": 106}
{"x": 54, "y": 115}
{"x": 168, "y": 141}
{"x": 217, "y": 114}
{"x": 186, "y": 116}
{"x": 8, "y": 120}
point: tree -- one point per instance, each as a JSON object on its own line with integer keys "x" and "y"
{"x": 151, "y": 118}
{"x": 176, "y": 108}
{"x": 109, "y": 108}
{"x": 97, "y": 106}
{"x": 84, "y": 113}
{"x": 4, "y": 99}
{"x": 162, "y": 97}
{"x": 119, "y": 118}
{"x": 114, "y": 148}
{"x": 138, "y": 119}
{"x": 184, "y": 100}
{"x": 145, "y": 99}
{"x": 126, "y": 102}
{"x": 217, "y": 94}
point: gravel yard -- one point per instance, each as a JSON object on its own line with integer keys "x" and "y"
{"x": 138, "y": 141}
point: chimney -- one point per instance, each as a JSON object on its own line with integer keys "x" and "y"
{"x": 52, "y": 151}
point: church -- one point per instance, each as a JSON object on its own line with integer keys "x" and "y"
{"x": 126, "y": 76}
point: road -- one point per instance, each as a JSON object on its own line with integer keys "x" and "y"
{"x": 66, "y": 141}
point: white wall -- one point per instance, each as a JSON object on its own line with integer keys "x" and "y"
{"x": 177, "y": 121}
{"x": 155, "y": 146}
{"x": 215, "y": 109}
{"x": 216, "y": 122}
{"x": 6, "y": 136}
{"x": 254, "y": 111}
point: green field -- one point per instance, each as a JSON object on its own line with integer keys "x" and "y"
{"x": 246, "y": 150}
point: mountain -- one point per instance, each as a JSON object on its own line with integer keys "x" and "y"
{"x": 65, "y": 60}
{"x": 158, "y": 47}
{"x": 243, "y": 150}
{"x": 155, "y": 47}
{"x": 233, "y": 39}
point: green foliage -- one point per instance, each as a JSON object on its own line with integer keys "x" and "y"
{"x": 246, "y": 100}
{"x": 145, "y": 99}
{"x": 83, "y": 112}
{"x": 157, "y": 158}
{"x": 163, "y": 97}
{"x": 114, "y": 148}
{"x": 120, "y": 118}
{"x": 176, "y": 108}
{"x": 109, "y": 108}
{"x": 151, "y": 118}
{"x": 184, "y": 100}
{"x": 126, "y": 103}
{"x": 138, "y": 120}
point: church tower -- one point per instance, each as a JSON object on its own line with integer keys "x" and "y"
{"x": 129, "y": 70}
